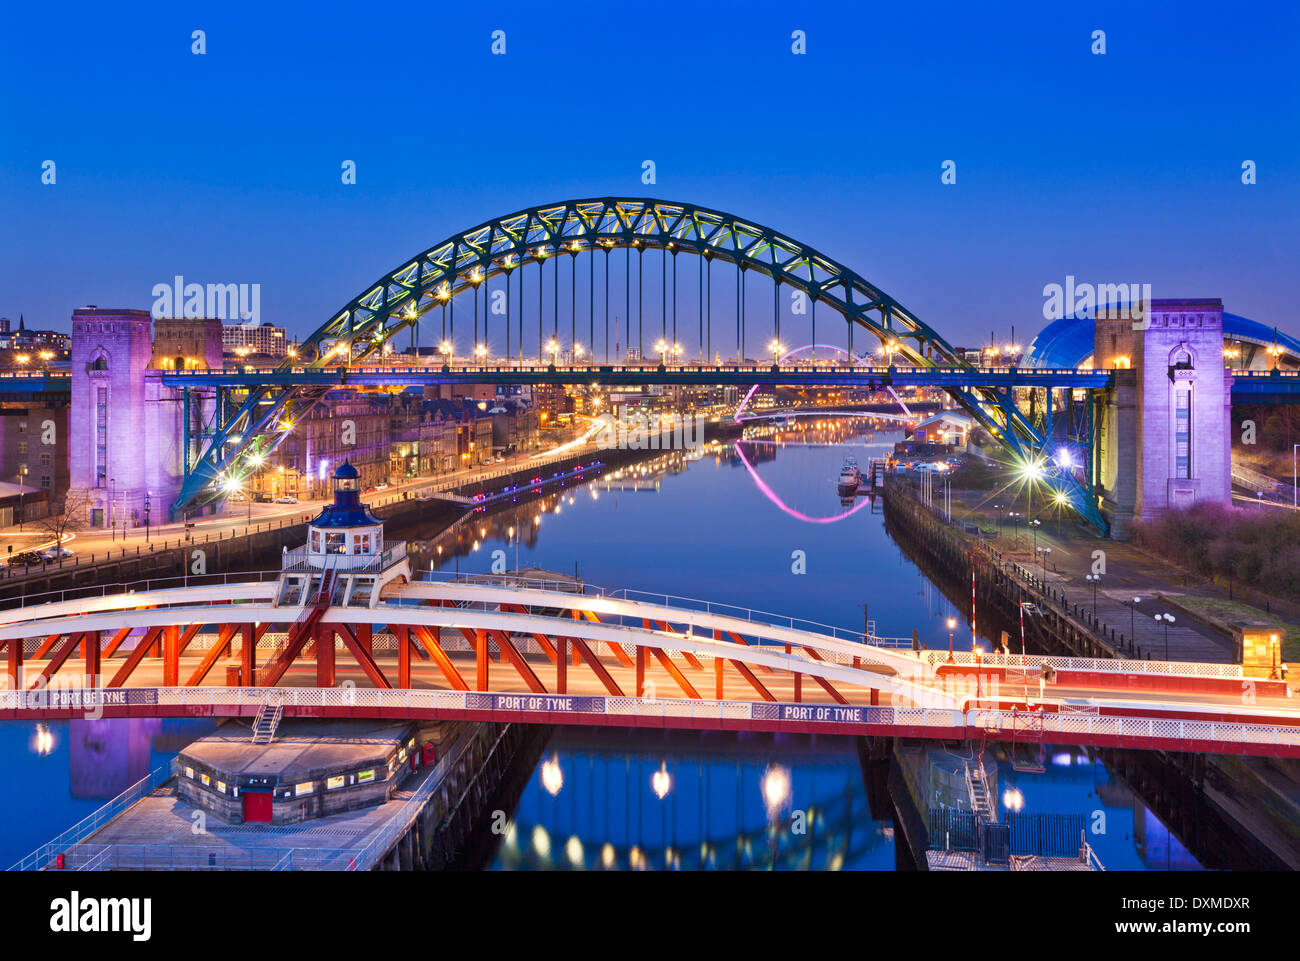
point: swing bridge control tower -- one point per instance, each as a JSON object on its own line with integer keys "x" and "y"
{"x": 346, "y": 561}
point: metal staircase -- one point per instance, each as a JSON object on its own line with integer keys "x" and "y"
{"x": 268, "y": 719}
{"x": 977, "y": 788}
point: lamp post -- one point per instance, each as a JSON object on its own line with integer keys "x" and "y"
{"x": 1167, "y": 619}
{"x": 1132, "y": 622}
{"x": 1294, "y": 479}
{"x": 952, "y": 626}
{"x": 22, "y": 488}
{"x": 1035, "y": 524}
{"x": 1094, "y": 579}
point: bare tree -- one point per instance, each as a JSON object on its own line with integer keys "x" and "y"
{"x": 70, "y": 516}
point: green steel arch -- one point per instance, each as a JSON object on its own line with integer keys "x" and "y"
{"x": 500, "y": 246}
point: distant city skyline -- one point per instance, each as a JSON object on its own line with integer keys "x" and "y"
{"x": 225, "y": 167}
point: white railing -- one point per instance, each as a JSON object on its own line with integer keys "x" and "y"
{"x": 1102, "y": 665}
{"x": 45, "y": 854}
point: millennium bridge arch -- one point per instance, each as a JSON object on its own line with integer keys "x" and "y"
{"x": 359, "y": 332}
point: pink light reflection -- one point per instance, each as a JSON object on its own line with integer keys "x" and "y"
{"x": 798, "y": 515}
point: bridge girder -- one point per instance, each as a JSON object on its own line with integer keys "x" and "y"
{"x": 464, "y": 261}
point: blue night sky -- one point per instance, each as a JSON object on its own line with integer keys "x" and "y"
{"x": 226, "y": 167}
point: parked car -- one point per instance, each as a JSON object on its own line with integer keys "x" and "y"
{"x": 26, "y": 558}
{"x": 54, "y": 553}
{"x": 286, "y": 499}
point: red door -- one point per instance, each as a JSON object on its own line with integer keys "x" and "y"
{"x": 257, "y": 806}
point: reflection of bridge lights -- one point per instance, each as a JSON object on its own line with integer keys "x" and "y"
{"x": 541, "y": 842}
{"x": 1012, "y": 799}
{"x": 836, "y": 862}
{"x": 776, "y": 789}
{"x": 573, "y": 850}
{"x": 512, "y": 836}
{"x": 607, "y": 856}
{"x": 661, "y": 782}
{"x": 43, "y": 743}
{"x": 552, "y": 776}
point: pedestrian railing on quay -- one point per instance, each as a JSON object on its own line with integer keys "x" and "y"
{"x": 44, "y": 855}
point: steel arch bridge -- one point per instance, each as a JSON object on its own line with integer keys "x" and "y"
{"x": 241, "y": 438}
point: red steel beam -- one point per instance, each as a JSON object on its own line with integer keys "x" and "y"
{"x": 598, "y": 668}
{"x": 561, "y": 666}
{"x": 403, "y": 655}
{"x": 186, "y": 636}
{"x": 512, "y": 654}
{"x": 821, "y": 681}
{"x": 542, "y": 640}
{"x": 46, "y": 645}
{"x": 57, "y": 657}
{"x": 15, "y": 661}
{"x": 428, "y": 636}
{"x": 324, "y": 637}
{"x": 214, "y": 654}
{"x": 748, "y": 675}
{"x": 687, "y": 656}
{"x": 136, "y": 656}
{"x": 673, "y": 670}
{"x": 740, "y": 640}
{"x": 361, "y": 652}
{"x": 111, "y": 648}
{"x": 90, "y": 651}
{"x": 171, "y": 656}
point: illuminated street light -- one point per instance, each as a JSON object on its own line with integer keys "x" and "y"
{"x": 952, "y": 626}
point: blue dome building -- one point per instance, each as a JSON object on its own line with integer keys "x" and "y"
{"x": 345, "y": 546}
{"x": 1068, "y": 342}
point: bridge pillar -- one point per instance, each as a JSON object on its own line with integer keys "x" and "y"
{"x": 561, "y": 664}
{"x": 15, "y": 665}
{"x": 481, "y": 660}
{"x": 171, "y": 655}
{"x": 1163, "y": 433}
{"x": 324, "y": 656}
{"x": 640, "y": 671}
{"x": 90, "y": 652}
{"x": 403, "y": 636}
{"x": 248, "y": 655}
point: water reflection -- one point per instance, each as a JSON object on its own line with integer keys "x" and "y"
{"x": 681, "y": 801}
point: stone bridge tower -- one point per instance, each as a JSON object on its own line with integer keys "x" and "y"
{"x": 1163, "y": 432}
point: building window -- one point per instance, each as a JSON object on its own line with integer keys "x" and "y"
{"x": 101, "y": 437}
{"x": 22, "y": 427}
{"x": 46, "y": 459}
{"x": 1183, "y": 433}
{"x": 22, "y": 447}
